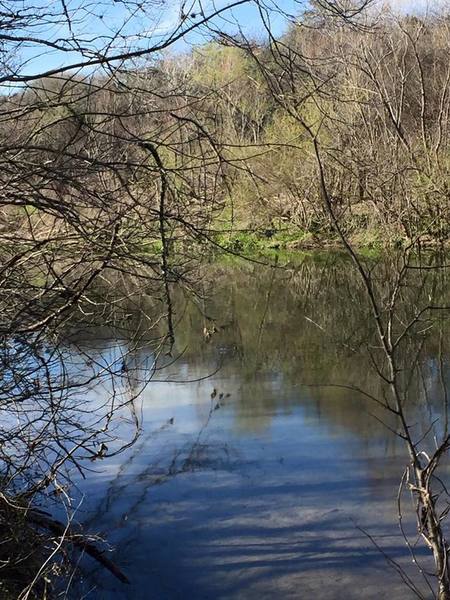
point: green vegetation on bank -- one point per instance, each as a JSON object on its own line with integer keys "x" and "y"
{"x": 272, "y": 242}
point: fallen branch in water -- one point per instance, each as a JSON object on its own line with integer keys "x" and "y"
{"x": 42, "y": 520}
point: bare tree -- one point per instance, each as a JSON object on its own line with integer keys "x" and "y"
{"x": 359, "y": 91}
{"x": 109, "y": 183}
{"x": 117, "y": 160}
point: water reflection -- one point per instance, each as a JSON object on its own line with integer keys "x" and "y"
{"x": 260, "y": 480}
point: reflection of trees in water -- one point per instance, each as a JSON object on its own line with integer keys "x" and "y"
{"x": 273, "y": 331}
{"x": 168, "y": 458}
{"x": 280, "y": 334}
{"x": 308, "y": 324}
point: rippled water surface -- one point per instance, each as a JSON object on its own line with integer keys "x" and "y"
{"x": 261, "y": 481}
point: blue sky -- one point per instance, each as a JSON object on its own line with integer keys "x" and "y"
{"x": 143, "y": 22}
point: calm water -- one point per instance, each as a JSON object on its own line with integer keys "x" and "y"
{"x": 255, "y": 482}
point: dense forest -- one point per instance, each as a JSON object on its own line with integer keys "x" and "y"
{"x": 124, "y": 171}
{"x": 232, "y": 125}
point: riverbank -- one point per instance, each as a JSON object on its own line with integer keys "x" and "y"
{"x": 272, "y": 241}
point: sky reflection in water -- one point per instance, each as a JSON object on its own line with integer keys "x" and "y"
{"x": 268, "y": 491}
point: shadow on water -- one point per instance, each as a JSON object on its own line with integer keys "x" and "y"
{"x": 260, "y": 481}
